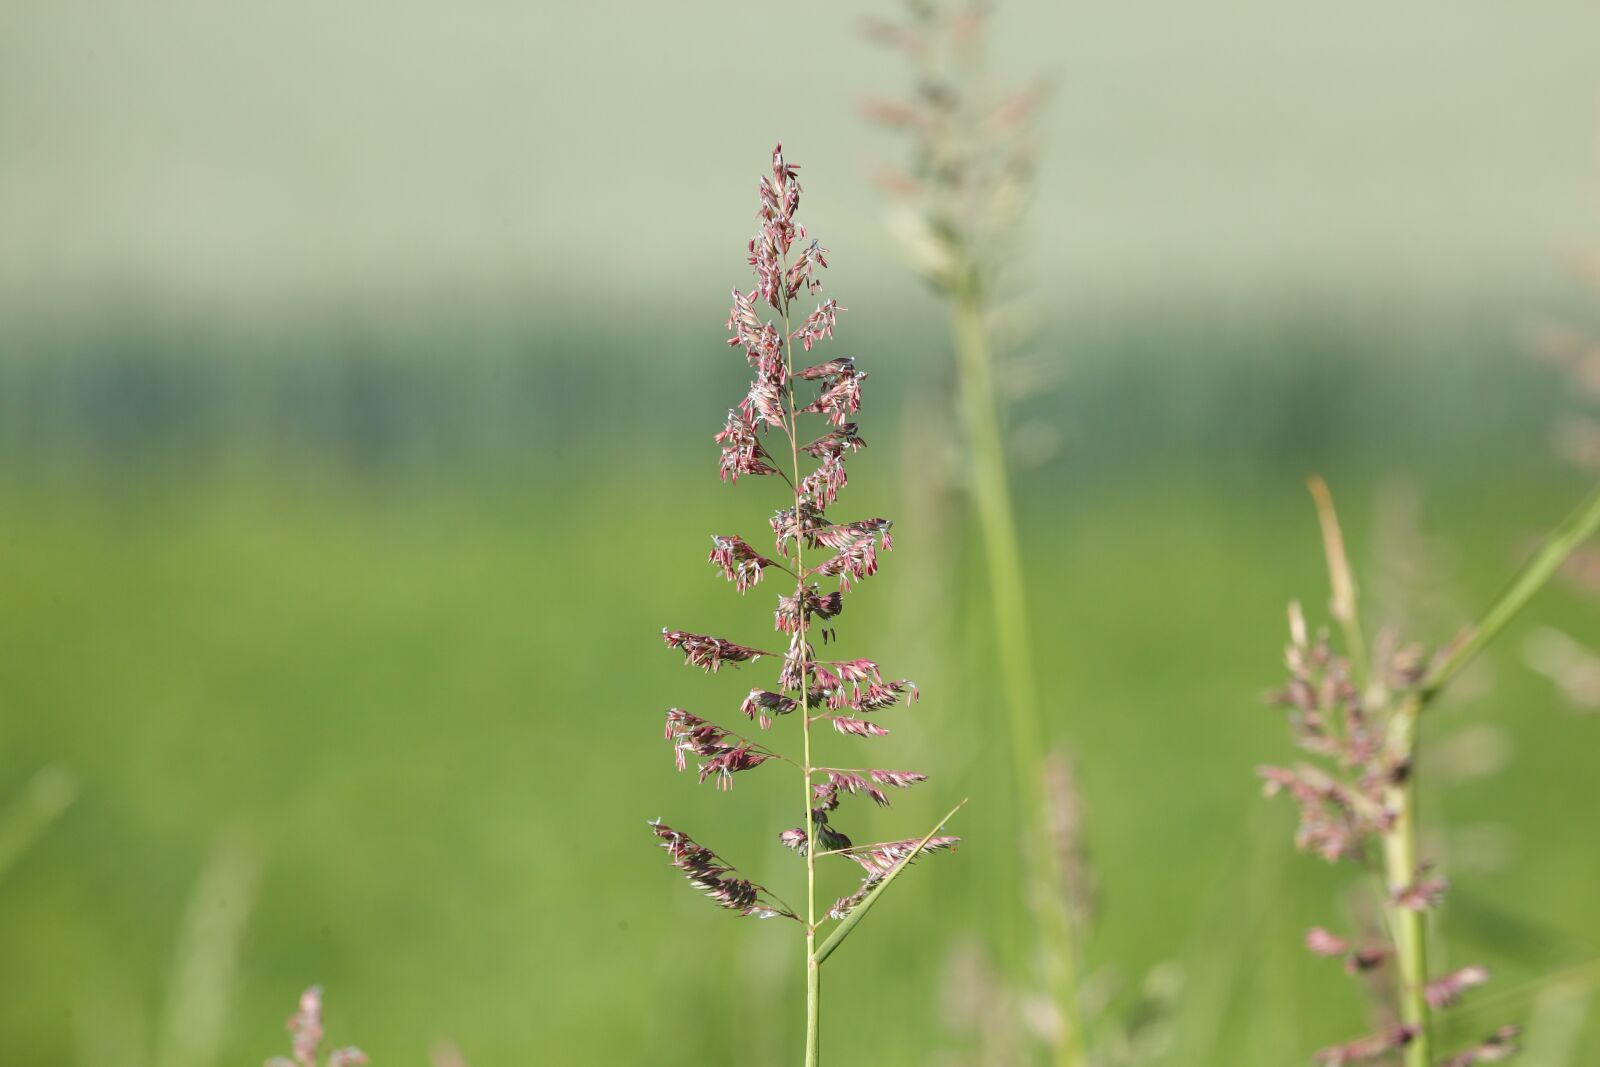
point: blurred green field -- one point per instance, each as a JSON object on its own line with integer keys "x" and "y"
{"x": 426, "y": 695}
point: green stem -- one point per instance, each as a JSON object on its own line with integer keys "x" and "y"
{"x": 813, "y": 967}
{"x": 1407, "y": 925}
{"x": 813, "y": 1000}
{"x": 1400, "y": 845}
{"x": 991, "y": 491}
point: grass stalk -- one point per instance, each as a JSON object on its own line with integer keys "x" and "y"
{"x": 1400, "y": 856}
{"x": 845, "y": 693}
{"x": 1405, "y": 918}
{"x": 813, "y": 1001}
{"x": 1408, "y": 925}
{"x": 991, "y": 490}
{"x": 813, "y": 965}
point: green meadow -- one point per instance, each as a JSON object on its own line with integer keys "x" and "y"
{"x": 352, "y": 660}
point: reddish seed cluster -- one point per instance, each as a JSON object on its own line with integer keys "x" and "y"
{"x": 1443, "y": 992}
{"x": 789, "y": 525}
{"x": 786, "y": 618}
{"x": 826, "y": 792}
{"x": 1342, "y": 810}
{"x": 738, "y": 562}
{"x": 742, "y": 451}
{"x": 819, "y": 324}
{"x": 762, "y": 704}
{"x": 880, "y": 860}
{"x": 1336, "y": 821}
{"x": 1423, "y": 893}
{"x": 762, "y": 437}
{"x": 709, "y": 653}
{"x": 1344, "y": 815}
{"x": 1356, "y": 958}
{"x": 706, "y": 872}
{"x": 1500, "y": 1045}
{"x": 835, "y": 443}
{"x": 725, "y": 754}
{"x": 305, "y": 1027}
{"x": 1367, "y": 1048}
{"x": 858, "y": 727}
{"x": 972, "y": 150}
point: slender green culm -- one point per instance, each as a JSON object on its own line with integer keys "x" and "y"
{"x": 1008, "y": 602}
{"x": 1400, "y": 850}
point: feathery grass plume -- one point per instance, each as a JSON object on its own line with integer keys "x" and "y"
{"x": 1356, "y": 714}
{"x": 966, "y": 189}
{"x": 959, "y": 209}
{"x": 846, "y": 694}
{"x": 305, "y": 1027}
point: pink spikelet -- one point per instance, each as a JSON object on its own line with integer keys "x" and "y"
{"x": 1446, "y": 991}
{"x": 1363, "y": 1049}
{"x": 1322, "y": 943}
{"x": 305, "y": 1029}
{"x": 1497, "y": 1047}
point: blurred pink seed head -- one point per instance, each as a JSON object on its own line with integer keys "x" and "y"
{"x": 305, "y": 1029}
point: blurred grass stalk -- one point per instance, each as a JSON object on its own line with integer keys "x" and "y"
{"x": 205, "y": 960}
{"x": 965, "y": 199}
{"x": 111, "y": 1023}
{"x": 991, "y": 491}
{"x": 1408, "y": 924}
{"x": 46, "y": 797}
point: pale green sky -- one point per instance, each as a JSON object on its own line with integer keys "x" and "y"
{"x": 201, "y": 149}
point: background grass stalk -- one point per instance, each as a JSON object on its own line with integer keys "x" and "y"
{"x": 991, "y": 489}
{"x": 1408, "y": 925}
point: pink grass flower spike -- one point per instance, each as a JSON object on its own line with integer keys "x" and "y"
{"x": 765, "y": 436}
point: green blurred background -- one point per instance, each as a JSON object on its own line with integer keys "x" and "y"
{"x": 358, "y": 367}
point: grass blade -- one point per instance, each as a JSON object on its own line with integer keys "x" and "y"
{"x": 842, "y": 931}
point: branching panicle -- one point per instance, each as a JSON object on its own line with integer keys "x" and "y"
{"x": 787, "y": 261}
{"x": 1360, "y": 718}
